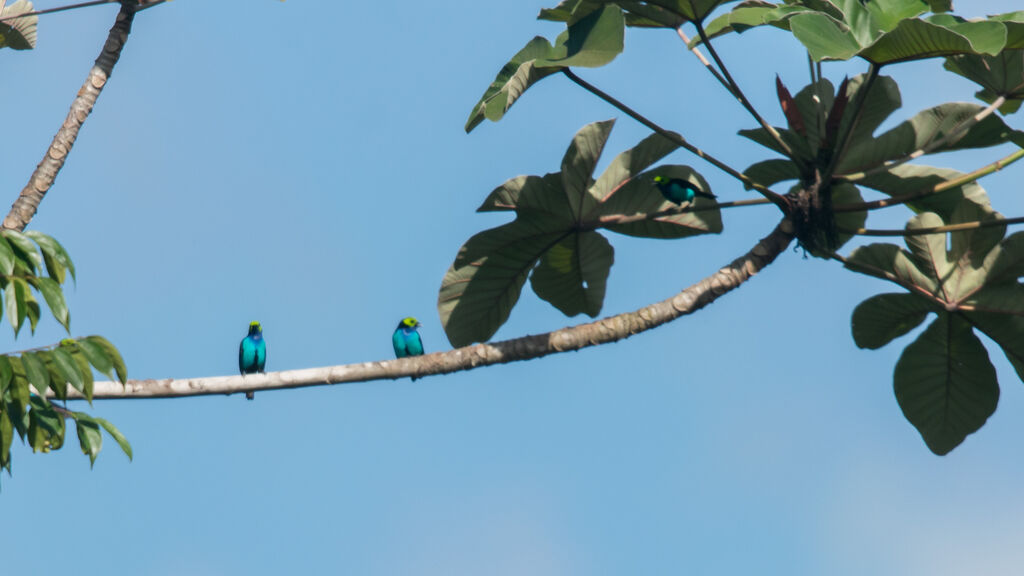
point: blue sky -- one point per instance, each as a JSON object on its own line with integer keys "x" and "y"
{"x": 304, "y": 164}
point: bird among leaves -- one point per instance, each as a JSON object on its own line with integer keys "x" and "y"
{"x": 252, "y": 353}
{"x": 679, "y": 191}
{"x": 406, "y": 339}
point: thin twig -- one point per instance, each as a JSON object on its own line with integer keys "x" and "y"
{"x": 933, "y": 229}
{"x": 942, "y": 187}
{"x": 764, "y": 191}
{"x": 24, "y": 208}
{"x": 954, "y": 134}
{"x": 605, "y": 331}
{"x": 734, "y": 88}
{"x": 676, "y": 210}
{"x": 60, "y": 9}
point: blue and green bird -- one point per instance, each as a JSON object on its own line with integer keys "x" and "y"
{"x": 406, "y": 339}
{"x": 252, "y": 353}
{"x": 678, "y": 191}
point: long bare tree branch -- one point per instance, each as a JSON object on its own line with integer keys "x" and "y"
{"x": 42, "y": 179}
{"x": 605, "y": 331}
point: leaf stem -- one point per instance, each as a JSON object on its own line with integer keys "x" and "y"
{"x": 934, "y": 229}
{"x": 675, "y": 211}
{"x": 956, "y": 133}
{"x": 732, "y": 86}
{"x": 764, "y": 191}
{"x": 942, "y": 187}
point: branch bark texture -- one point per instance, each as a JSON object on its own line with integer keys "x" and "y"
{"x": 24, "y": 208}
{"x": 603, "y": 331}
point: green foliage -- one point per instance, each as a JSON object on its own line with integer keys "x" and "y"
{"x": 880, "y": 31}
{"x": 944, "y": 381}
{"x": 999, "y": 75}
{"x": 18, "y": 33}
{"x": 651, "y": 14}
{"x": 832, "y": 155}
{"x": 554, "y": 234}
{"x": 33, "y": 263}
{"x": 591, "y": 41}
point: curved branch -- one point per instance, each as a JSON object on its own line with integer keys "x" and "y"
{"x": 605, "y": 331}
{"x": 24, "y": 208}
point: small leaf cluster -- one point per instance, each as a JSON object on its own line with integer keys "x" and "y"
{"x": 34, "y": 263}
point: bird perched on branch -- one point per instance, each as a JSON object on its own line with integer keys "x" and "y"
{"x": 406, "y": 339}
{"x": 252, "y": 353}
{"x": 678, "y": 191}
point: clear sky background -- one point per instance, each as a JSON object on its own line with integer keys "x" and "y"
{"x": 304, "y": 164}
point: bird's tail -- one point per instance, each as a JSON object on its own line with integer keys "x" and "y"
{"x": 707, "y": 195}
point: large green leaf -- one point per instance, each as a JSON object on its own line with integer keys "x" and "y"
{"x": 1006, "y": 331}
{"x": 939, "y": 129}
{"x": 578, "y": 164}
{"x": 514, "y": 78}
{"x": 885, "y": 317}
{"x": 881, "y": 31}
{"x": 914, "y": 178}
{"x": 640, "y": 196}
{"x": 945, "y": 383}
{"x": 556, "y": 216}
{"x": 483, "y": 284}
{"x": 999, "y": 75}
{"x": 18, "y": 33}
{"x": 572, "y": 274}
{"x": 592, "y": 41}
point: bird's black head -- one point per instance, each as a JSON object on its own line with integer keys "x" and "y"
{"x": 255, "y": 329}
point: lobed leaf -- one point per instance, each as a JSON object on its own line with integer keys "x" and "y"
{"x": 945, "y": 383}
{"x": 885, "y": 317}
{"x": 572, "y": 274}
{"x": 18, "y": 33}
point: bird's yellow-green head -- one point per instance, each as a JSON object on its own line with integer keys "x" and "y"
{"x": 409, "y": 322}
{"x": 660, "y": 180}
{"x": 255, "y": 328}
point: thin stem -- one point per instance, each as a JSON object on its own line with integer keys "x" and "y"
{"x": 24, "y": 208}
{"x": 676, "y": 210}
{"x": 696, "y": 52}
{"x": 764, "y": 191}
{"x": 942, "y": 187}
{"x": 734, "y": 88}
{"x": 934, "y": 229}
{"x": 956, "y": 133}
{"x": 59, "y": 9}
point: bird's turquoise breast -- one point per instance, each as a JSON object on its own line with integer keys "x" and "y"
{"x": 407, "y": 342}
